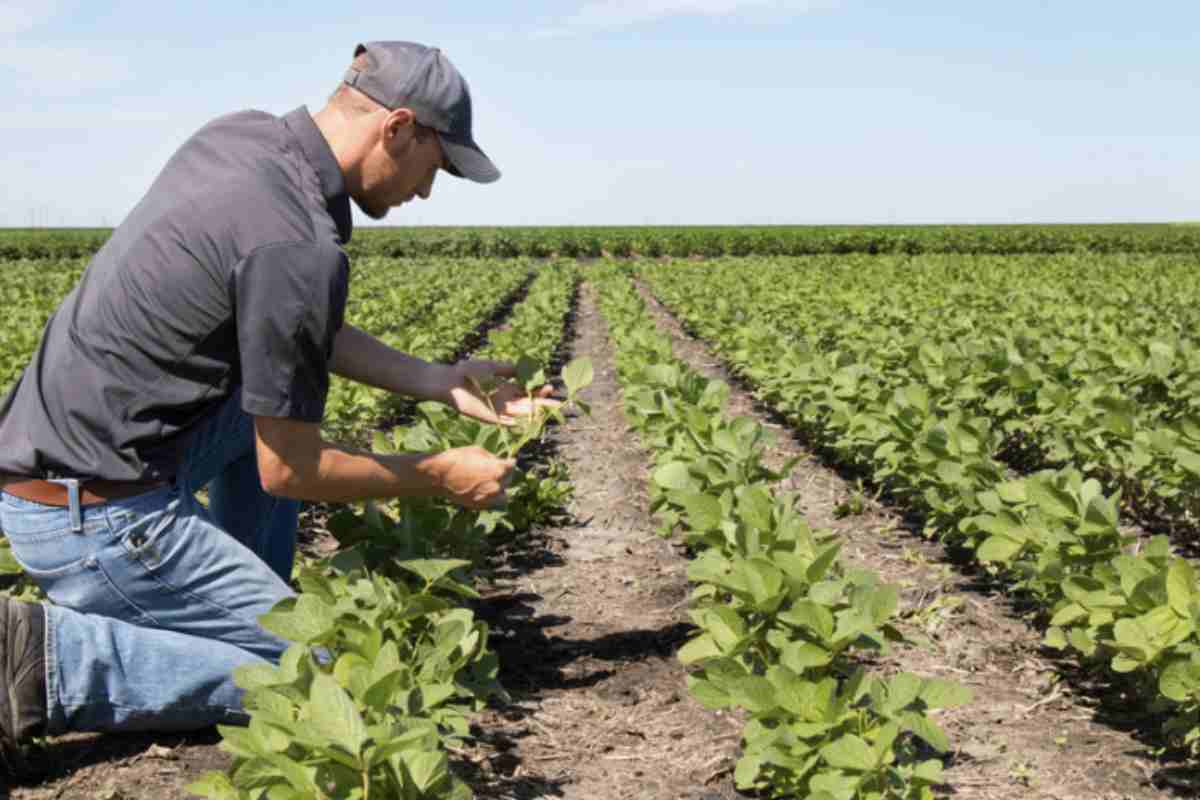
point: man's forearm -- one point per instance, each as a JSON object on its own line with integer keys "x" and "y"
{"x": 360, "y": 357}
{"x": 341, "y": 475}
{"x": 294, "y": 461}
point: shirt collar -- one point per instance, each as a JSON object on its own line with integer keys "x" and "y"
{"x": 320, "y": 157}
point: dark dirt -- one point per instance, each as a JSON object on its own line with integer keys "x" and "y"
{"x": 587, "y": 636}
{"x": 1035, "y": 729}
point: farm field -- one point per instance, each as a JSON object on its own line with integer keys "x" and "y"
{"x": 833, "y": 512}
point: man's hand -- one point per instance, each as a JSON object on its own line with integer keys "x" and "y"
{"x": 472, "y": 477}
{"x": 505, "y": 400}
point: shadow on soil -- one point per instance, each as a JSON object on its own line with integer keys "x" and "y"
{"x": 62, "y": 758}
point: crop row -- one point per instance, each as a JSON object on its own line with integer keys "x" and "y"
{"x": 1056, "y": 535}
{"x": 782, "y": 621}
{"x": 387, "y": 663}
{"x": 1077, "y": 360}
{"x": 650, "y": 241}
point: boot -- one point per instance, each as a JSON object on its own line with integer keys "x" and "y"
{"x": 22, "y": 680}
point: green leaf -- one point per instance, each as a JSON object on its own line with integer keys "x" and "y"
{"x": 925, "y": 728}
{"x": 1012, "y": 492}
{"x": 1055, "y": 638}
{"x": 1189, "y": 460}
{"x": 215, "y": 786}
{"x": 704, "y": 512}
{"x": 256, "y": 676}
{"x": 426, "y": 768}
{"x": 256, "y": 773}
{"x": 1082, "y": 641}
{"x": 1181, "y": 583}
{"x": 725, "y": 626}
{"x": 1130, "y": 635}
{"x": 1180, "y": 681}
{"x": 335, "y": 715}
{"x": 698, "y": 649}
{"x": 813, "y": 616}
{"x": 269, "y": 738}
{"x": 883, "y": 602}
{"x": 754, "y": 693}
{"x": 929, "y": 771}
{"x": 820, "y": 567}
{"x": 746, "y": 773}
{"x": 755, "y": 507}
{"x": 674, "y": 475}
{"x": 1051, "y": 499}
{"x": 801, "y": 656}
{"x": 1068, "y": 614}
{"x": 849, "y": 753}
{"x": 432, "y": 569}
{"x": 578, "y": 374}
{"x": 759, "y": 578}
{"x": 304, "y": 619}
{"x": 708, "y": 693}
{"x": 902, "y": 690}
{"x": 998, "y": 548}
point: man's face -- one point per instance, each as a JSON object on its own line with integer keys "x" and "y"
{"x": 402, "y": 166}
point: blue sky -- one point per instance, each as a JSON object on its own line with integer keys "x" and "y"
{"x": 656, "y": 112}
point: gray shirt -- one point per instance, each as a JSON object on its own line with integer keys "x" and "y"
{"x": 230, "y": 272}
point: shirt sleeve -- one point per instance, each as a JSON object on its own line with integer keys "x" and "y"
{"x": 290, "y": 300}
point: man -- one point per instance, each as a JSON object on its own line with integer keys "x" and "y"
{"x": 195, "y": 352}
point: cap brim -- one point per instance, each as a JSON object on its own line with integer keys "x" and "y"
{"x": 466, "y": 160}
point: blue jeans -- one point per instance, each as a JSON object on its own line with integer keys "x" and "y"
{"x": 156, "y": 600}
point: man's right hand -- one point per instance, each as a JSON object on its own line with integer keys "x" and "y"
{"x": 472, "y": 477}
{"x": 294, "y": 461}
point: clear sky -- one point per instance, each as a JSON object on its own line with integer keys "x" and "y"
{"x": 655, "y": 112}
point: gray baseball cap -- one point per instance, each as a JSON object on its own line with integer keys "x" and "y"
{"x": 411, "y": 75}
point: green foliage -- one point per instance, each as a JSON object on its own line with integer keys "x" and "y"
{"x": 378, "y": 683}
{"x": 712, "y": 241}
{"x": 781, "y": 621}
{"x": 933, "y": 377}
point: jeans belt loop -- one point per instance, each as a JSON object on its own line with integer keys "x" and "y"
{"x": 72, "y": 485}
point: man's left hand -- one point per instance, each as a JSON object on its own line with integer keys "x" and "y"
{"x": 485, "y": 390}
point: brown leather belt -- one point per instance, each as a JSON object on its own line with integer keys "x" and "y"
{"x": 91, "y": 492}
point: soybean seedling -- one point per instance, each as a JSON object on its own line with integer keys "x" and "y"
{"x": 531, "y": 376}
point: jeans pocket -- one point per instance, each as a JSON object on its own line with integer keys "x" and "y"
{"x": 140, "y": 526}
{"x": 50, "y": 552}
{"x": 69, "y": 569}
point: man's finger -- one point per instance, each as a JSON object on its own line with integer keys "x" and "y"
{"x": 545, "y": 391}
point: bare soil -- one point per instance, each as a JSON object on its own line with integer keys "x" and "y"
{"x": 587, "y": 619}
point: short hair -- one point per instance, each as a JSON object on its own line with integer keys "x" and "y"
{"x": 351, "y": 101}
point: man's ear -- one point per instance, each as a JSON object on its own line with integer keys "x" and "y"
{"x": 397, "y": 127}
